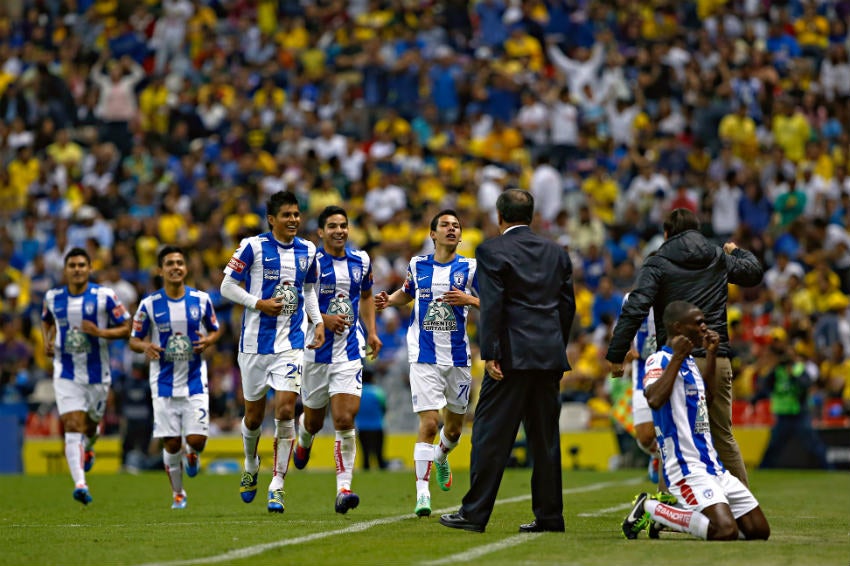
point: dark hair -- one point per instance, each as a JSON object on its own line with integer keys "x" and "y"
{"x": 516, "y": 205}
{"x": 160, "y": 257}
{"x": 330, "y": 211}
{"x": 680, "y": 220}
{"x": 675, "y": 312}
{"x": 279, "y": 199}
{"x": 73, "y": 252}
{"x": 444, "y": 212}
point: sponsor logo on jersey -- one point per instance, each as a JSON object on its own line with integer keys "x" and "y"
{"x": 236, "y": 264}
{"x": 77, "y": 342}
{"x": 342, "y": 305}
{"x": 118, "y": 311}
{"x": 271, "y": 274}
{"x": 289, "y": 294}
{"x": 178, "y": 348}
{"x": 439, "y": 317}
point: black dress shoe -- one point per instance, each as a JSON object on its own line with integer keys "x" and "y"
{"x": 534, "y": 527}
{"x": 458, "y": 521}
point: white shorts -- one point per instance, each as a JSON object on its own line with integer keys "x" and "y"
{"x": 641, "y": 413}
{"x": 433, "y": 387}
{"x": 174, "y": 417}
{"x": 87, "y": 397}
{"x": 281, "y": 372}
{"x": 322, "y": 381}
{"x": 700, "y": 490}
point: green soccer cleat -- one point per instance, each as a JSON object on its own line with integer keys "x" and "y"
{"x": 638, "y": 519}
{"x": 664, "y": 497}
{"x": 444, "y": 475}
{"x": 423, "y": 506}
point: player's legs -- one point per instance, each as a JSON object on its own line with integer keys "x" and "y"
{"x": 752, "y": 524}
{"x": 196, "y": 428}
{"x": 427, "y": 388}
{"x": 458, "y": 384}
{"x": 720, "y": 420}
{"x": 284, "y": 376}
{"x": 315, "y": 399}
{"x": 81, "y": 406}
{"x": 253, "y": 368}
{"x": 168, "y": 426}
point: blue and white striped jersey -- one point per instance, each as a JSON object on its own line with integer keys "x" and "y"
{"x": 174, "y": 324}
{"x": 341, "y": 279}
{"x": 437, "y": 331}
{"x": 79, "y": 356}
{"x": 645, "y": 345}
{"x": 271, "y": 269}
{"x": 682, "y": 425}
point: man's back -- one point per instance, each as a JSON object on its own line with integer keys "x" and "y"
{"x": 526, "y": 322}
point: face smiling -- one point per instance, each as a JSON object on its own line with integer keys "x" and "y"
{"x": 285, "y": 223}
{"x": 335, "y": 234}
{"x": 173, "y": 269}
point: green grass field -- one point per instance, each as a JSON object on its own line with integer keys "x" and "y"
{"x": 130, "y": 522}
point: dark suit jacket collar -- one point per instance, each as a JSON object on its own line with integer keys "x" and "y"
{"x": 519, "y": 228}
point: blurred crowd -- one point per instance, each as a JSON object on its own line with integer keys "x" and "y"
{"x": 128, "y": 125}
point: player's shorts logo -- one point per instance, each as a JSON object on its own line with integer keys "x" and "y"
{"x": 289, "y": 294}
{"x": 178, "y": 348}
{"x": 439, "y": 317}
{"x": 342, "y": 305}
{"x": 77, "y": 342}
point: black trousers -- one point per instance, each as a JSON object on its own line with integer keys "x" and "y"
{"x": 372, "y": 446}
{"x": 530, "y": 397}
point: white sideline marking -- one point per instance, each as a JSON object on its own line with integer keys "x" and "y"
{"x": 249, "y": 551}
{"x": 480, "y": 551}
{"x": 607, "y": 510}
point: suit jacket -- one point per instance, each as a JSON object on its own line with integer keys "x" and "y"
{"x": 527, "y": 301}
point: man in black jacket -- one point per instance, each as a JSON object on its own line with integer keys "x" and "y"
{"x": 688, "y": 267}
{"x": 527, "y": 309}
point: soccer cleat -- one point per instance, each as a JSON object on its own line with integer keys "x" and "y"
{"x": 193, "y": 464}
{"x": 444, "y": 475}
{"x": 300, "y": 456}
{"x": 179, "y": 501}
{"x": 423, "y": 506}
{"x": 82, "y": 495}
{"x": 276, "y": 504}
{"x": 652, "y": 469}
{"x": 346, "y": 500}
{"x": 654, "y": 529}
{"x": 638, "y": 519}
{"x": 248, "y": 486}
{"x": 664, "y": 497}
{"x": 88, "y": 460}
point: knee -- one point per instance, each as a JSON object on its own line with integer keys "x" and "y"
{"x": 313, "y": 421}
{"x": 344, "y": 421}
{"x": 172, "y": 445}
{"x": 724, "y": 528}
{"x": 428, "y": 426}
{"x": 253, "y": 418}
{"x": 197, "y": 442}
{"x": 452, "y": 430}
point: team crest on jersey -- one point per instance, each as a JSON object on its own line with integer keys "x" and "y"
{"x": 289, "y": 294}
{"x": 439, "y": 317}
{"x": 194, "y": 313}
{"x": 459, "y": 278}
{"x": 77, "y": 342}
{"x": 89, "y": 308}
{"x": 342, "y": 305}
{"x": 178, "y": 348}
{"x": 356, "y": 274}
{"x": 302, "y": 263}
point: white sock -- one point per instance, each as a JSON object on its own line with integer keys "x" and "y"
{"x": 250, "y": 439}
{"x": 174, "y": 469}
{"x": 692, "y": 522}
{"x": 345, "y": 450}
{"x": 423, "y": 458}
{"x": 74, "y": 456}
{"x": 442, "y": 449}
{"x": 305, "y": 439}
{"x": 284, "y": 442}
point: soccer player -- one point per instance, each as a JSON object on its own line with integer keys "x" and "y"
{"x": 276, "y": 268}
{"x": 333, "y": 373}
{"x": 180, "y": 323}
{"x": 438, "y": 348}
{"x": 712, "y": 504}
{"x": 77, "y": 320}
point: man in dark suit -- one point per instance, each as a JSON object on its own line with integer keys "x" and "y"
{"x": 527, "y": 309}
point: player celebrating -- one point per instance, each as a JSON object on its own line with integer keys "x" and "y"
{"x": 438, "y": 348}
{"x": 333, "y": 373}
{"x": 77, "y": 320}
{"x": 181, "y": 324}
{"x": 274, "y": 267}
{"x": 712, "y": 503}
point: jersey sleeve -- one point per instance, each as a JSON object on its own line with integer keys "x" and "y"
{"x": 655, "y": 365}
{"x": 368, "y": 279}
{"x": 241, "y": 260}
{"x": 410, "y": 281}
{"x": 117, "y": 311}
{"x": 46, "y": 313}
{"x": 141, "y": 321}
{"x": 474, "y": 283}
{"x": 312, "y": 275}
{"x": 210, "y": 320}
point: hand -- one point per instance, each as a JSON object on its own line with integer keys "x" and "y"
{"x": 711, "y": 341}
{"x": 616, "y": 370}
{"x": 319, "y": 338}
{"x": 730, "y": 247}
{"x": 271, "y": 307}
{"x": 494, "y": 369}
{"x": 682, "y": 346}
{"x": 152, "y": 351}
{"x": 456, "y": 298}
{"x": 49, "y": 348}
{"x": 201, "y": 344}
{"x": 336, "y": 323}
{"x": 90, "y": 328}
{"x": 382, "y": 301}
{"x": 375, "y": 346}
{"x": 631, "y": 356}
